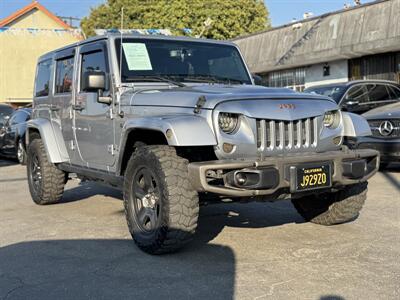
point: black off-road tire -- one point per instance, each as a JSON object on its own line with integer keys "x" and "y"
{"x": 50, "y": 187}
{"x": 335, "y": 208}
{"x": 178, "y": 203}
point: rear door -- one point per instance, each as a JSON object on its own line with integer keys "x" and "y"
{"x": 94, "y": 123}
{"x": 62, "y": 98}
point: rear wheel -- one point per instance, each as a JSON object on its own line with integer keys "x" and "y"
{"x": 334, "y": 208}
{"x": 46, "y": 182}
{"x": 161, "y": 206}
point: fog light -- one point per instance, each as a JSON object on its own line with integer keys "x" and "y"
{"x": 337, "y": 140}
{"x": 228, "y": 148}
{"x": 241, "y": 178}
{"x": 169, "y": 133}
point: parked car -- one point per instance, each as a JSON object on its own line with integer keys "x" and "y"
{"x": 5, "y": 113}
{"x": 181, "y": 117}
{"x": 360, "y": 96}
{"x": 385, "y": 127}
{"x": 12, "y": 135}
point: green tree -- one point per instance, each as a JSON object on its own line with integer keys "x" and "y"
{"x": 230, "y": 18}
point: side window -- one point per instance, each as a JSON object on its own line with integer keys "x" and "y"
{"x": 357, "y": 93}
{"x": 93, "y": 62}
{"x": 378, "y": 92}
{"x": 64, "y": 75}
{"x": 42, "y": 81}
{"x": 394, "y": 92}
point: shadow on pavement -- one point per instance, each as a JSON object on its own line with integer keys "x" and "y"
{"x": 88, "y": 189}
{"x": 331, "y": 297}
{"x": 392, "y": 180}
{"x": 113, "y": 269}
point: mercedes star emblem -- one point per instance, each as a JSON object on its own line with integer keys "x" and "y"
{"x": 386, "y": 128}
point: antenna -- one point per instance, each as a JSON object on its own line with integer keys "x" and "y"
{"x": 120, "y": 113}
{"x": 120, "y": 48}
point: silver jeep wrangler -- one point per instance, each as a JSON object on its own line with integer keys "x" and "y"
{"x": 168, "y": 119}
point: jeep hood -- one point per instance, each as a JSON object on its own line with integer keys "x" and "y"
{"x": 217, "y": 94}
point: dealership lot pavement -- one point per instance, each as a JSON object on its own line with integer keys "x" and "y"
{"x": 81, "y": 249}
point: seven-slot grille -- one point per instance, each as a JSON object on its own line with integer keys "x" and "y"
{"x": 376, "y": 124}
{"x": 286, "y": 135}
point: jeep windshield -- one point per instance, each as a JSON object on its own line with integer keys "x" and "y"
{"x": 149, "y": 60}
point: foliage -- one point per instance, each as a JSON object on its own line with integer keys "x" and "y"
{"x": 230, "y": 18}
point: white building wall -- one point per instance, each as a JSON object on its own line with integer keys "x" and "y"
{"x": 338, "y": 73}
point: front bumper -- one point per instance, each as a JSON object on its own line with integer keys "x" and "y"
{"x": 342, "y": 161}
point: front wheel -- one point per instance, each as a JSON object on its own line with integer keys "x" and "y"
{"x": 46, "y": 182}
{"x": 333, "y": 208}
{"x": 161, "y": 206}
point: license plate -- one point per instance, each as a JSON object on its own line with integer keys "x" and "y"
{"x": 311, "y": 177}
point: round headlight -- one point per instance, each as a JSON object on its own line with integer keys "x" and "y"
{"x": 332, "y": 119}
{"x": 228, "y": 122}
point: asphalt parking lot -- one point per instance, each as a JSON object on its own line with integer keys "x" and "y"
{"x": 81, "y": 249}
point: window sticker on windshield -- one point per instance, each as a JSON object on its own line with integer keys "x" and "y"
{"x": 137, "y": 57}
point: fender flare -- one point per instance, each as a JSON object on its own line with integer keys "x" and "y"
{"x": 184, "y": 130}
{"x": 52, "y": 139}
{"x": 355, "y": 125}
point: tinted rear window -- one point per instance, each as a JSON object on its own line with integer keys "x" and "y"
{"x": 43, "y": 79}
{"x": 64, "y": 75}
{"x": 378, "y": 92}
{"x": 394, "y": 92}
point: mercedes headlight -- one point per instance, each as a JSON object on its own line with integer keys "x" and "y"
{"x": 228, "y": 122}
{"x": 332, "y": 119}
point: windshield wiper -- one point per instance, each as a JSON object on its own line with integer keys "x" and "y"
{"x": 153, "y": 78}
{"x": 209, "y": 78}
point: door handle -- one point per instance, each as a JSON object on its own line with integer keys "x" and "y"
{"x": 78, "y": 107}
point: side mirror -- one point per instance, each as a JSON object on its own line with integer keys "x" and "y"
{"x": 351, "y": 102}
{"x": 93, "y": 81}
{"x": 257, "y": 79}
{"x": 96, "y": 82}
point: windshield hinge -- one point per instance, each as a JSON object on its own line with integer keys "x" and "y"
{"x": 200, "y": 103}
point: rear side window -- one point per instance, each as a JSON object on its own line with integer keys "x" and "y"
{"x": 378, "y": 92}
{"x": 64, "y": 75}
{"x": 43, "y": 78}
{"x": 394, "y": 92}
{"x": 93, "y": 62}
{"x": 357, "y": 93}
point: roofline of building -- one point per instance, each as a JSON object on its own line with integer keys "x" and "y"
{"x": 27, "y": 9}
{"x": 308, "y": 20}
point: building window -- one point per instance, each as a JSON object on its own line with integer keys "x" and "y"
{"x": 294, "y": 79}
{"x": 43, "y": 78}
{"x": 64, "y": 75}
{"x": 380, "y": 66}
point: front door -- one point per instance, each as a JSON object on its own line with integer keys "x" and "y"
{"x": 93, "y": 121}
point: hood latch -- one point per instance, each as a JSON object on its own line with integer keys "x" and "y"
{"x": 199, "y": 104}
